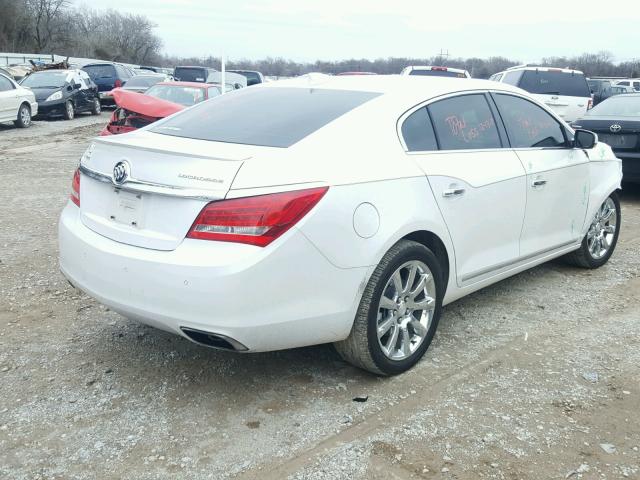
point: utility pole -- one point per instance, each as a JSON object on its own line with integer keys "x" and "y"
{"x": 442, "y": 57}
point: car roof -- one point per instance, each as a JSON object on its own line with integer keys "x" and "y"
{"x": 543, "y": 69}
{"x": 403, "y": 91}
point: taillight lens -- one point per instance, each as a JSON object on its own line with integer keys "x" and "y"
{"x": 255, "y": 220}
{"x": 117, "y": 83}
{"x": 75, "y": 188}
{"x": 590, "y": 103}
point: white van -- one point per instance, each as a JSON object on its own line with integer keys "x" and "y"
{"x": 565, "y": 91}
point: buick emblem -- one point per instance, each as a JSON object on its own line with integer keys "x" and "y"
{"x": 121, "y": 172}
{"x": 615, "y": 128}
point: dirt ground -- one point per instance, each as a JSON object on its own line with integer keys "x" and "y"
{"x": 536, "y": 377}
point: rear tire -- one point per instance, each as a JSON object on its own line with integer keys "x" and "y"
{"x": 601, "y": 238}
{"x": 96, "y": 108}
{"x": 388, "y": 354}
{"x": 24, "y": 116}
{"x": 69, "y": 111}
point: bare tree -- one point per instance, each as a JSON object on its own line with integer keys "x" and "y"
{"x": 47, "y": 18}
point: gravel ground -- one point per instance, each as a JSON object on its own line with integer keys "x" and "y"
{"x": 533, "y": 378}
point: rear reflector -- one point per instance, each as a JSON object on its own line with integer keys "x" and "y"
{"x": 255, "y": 220}
{"x": 75, "y": 188}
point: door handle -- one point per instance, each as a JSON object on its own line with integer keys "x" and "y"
{"x": 453, "y": 192}
{"x": 538, "y": 183}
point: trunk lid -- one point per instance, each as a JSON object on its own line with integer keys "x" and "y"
{"x": 169, "y": 180}
{"x": 567, "y": 108}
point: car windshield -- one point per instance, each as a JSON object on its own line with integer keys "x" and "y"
{"x": 626, "y": 106}
{"x": 555, "y": 83}
{"x": 186, "y": 74}
{"x": 438, "y": 73}
{"x": 45, "y": 80}
{"x": 144, "y": 80}
{"x": 271, "y": 117}
{"x": 100, "y": 71}
{"x": 186, "y": 96}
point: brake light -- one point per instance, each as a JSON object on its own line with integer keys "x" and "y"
{"x": 75, "y": 188}
{"x": 255, "y": 220}
{"x": 439, "y": 69}
{"x": 590, "y": 103}
{"x": 117, "y": 83}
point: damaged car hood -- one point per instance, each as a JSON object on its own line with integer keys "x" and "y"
{"x": 144, "y": 104}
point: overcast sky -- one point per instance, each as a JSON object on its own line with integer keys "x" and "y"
{"x": 306, "y": 30}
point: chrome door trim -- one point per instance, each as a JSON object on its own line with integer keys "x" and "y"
{"x": 134, "y": 185}
{"x": 496, "y": 269}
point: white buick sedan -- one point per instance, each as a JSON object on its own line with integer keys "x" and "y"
{"x": 334, "y": 209}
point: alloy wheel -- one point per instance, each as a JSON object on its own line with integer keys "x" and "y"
{"x": 601, "y": 233}
{"x": 405, "y": 310}
{"x": 25, "y": 116}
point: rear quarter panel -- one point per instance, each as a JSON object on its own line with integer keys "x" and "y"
{"x": 605, "y": 171}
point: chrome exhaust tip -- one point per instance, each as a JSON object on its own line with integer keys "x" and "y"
{"x": 213, "y": 340}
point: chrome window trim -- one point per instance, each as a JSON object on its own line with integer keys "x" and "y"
{"x": 426, "y": 103}
{"x": 133, "y": 185}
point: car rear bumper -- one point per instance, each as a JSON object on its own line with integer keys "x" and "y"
{"x": 283, "y": 296}
{"x": 630, "y": 165}
{"x": 51, "y": 109}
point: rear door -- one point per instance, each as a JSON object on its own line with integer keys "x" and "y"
{"x": 566, "y": 93}
{"x": 479, "y": 185}
{"x": 557, "y": 182}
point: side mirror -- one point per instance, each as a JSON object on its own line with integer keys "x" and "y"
{"x": 584, "y": 139}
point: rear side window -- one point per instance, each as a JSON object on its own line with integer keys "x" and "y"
{"x": 528, "y": 125}
{"x": 191, "y": 74}
{"x": 100, "y": 71}
{"x": 5, "y": 84}
{"x": 555, "y": 83}
{"x": 418, "y": 133}
{"x": 464, "y": 122}
{"x": 271, "y": 117}
{"x": 512, "y": 78}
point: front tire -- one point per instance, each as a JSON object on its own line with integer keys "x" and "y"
{"x": 69, "y": 111}
{"x": 398, "y": 313}
{"x": 24, "y": 117}
{"x": 601, "y": 238}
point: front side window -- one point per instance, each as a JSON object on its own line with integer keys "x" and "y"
{"x": 418, "y": 133}
{"x": 528, "y": 125}
{"x": 464, "y": 123}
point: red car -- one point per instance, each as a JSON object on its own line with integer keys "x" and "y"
{"x": 136, "y": 110}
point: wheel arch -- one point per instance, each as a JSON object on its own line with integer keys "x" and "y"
{"x": 434, "y": 243}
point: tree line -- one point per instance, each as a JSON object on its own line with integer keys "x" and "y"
{"x": 56, "y": 26}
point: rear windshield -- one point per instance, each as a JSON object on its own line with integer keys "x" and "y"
{"x": 186, "y": 96}
{"x": 627, "y": 106}
{"x": 438, "y": 73}
{"x": 190, "y": 74}
{"x": 100, "y": 71}
{"x": 249, "y": 75}
{"x": 555, "y": 83}
{"x": 144, "y": 80}
{"x": 271, "y": 117}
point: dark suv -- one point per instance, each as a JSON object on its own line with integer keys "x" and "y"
{"x": 108, "y": 76}
{"x": 194, "y": 74}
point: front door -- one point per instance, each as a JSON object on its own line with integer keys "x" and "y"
{"x": 557, "y": 175}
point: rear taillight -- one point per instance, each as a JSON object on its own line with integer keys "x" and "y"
{"x": 75, "y": 188}
{"x": 439, "y": 69}
{"x": 254, "y": 220}
{"x": 117, "y": 83}
{"x": 590, "y": 103}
